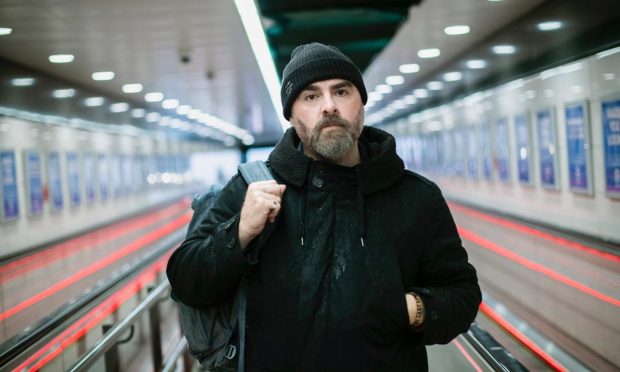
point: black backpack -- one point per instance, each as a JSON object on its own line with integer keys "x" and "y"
{"x": 216, "y": 336}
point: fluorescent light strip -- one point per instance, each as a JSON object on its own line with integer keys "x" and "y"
{"x": 258, "y": 41}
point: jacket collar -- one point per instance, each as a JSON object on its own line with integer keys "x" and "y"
{"x": 379, "y": 169}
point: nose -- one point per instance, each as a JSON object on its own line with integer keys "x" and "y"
{"x": 329, "y": 105}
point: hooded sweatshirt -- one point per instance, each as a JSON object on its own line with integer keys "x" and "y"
{"x": 326, "y": 289}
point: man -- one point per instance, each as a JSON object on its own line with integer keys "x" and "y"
{"x": 364, "y": 265}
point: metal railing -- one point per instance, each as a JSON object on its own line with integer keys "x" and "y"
{"x": 110, "y": 341}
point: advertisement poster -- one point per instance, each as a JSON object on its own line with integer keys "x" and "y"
{"x": 611, "y": 145}
{"x": 73, "y": 176}
{"x": 485, "y": 151}
{"x": 103, "y": 168}
{"x": 10, "y": 201}
{"x": 127, "y": 174}
{"x": 547, "y": 147}
{"x": 34, "y": 183}
{"x": 472, "y": 153}
{"x": 524, "y": 149}
{"x": 502, "y": 150}
{"x": 459, "y": 152}
{"x": 578, "y": 147}
{"x": 89, "y": 177}
{"x": 55, "y": 181}
{"x": 447, "y": 153}
{"x": 115, "y": 175}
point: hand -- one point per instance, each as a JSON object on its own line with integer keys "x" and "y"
{"x": 412, "y": 308}
{"x": 263, "y": 201}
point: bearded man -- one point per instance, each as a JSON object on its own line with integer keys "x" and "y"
{"x": 364, "y": 265}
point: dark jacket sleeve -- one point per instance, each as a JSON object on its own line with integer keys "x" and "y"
{"x": 448, "y": 283}
{"x": 208, "y": 266}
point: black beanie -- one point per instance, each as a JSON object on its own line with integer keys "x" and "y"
{"x": 316, "y": 62}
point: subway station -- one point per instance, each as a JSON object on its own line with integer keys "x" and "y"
{"x": 123, "y": 125}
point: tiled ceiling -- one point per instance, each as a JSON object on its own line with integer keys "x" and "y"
{"x": 196, "y": 51}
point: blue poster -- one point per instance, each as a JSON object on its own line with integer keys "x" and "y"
{"x": 103, "y": 176}
{"x": 472, "y": 153}
{"x": 34, "y": 184}
{"x": 89, "y": 177}
{"x": 459, "y": 152}
{"x": 73, "y": 175}
{"x": 523, "y": 139}
{"x": 127, "y": 174}
{"x": 502, "y": 150}
{"x": 10, "y": 200}
{"x": 55, "y": 181}
{"x": 117, "y": 184}
{"x": 611, "y": 145}
{"x": 485, "y": 150}
{"x": 578, "y": 147}
{"x": 447, "y": 152}
{"x": 547, "y": 145}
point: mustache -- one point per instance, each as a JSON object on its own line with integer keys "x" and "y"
{"x": 331, "y": 120}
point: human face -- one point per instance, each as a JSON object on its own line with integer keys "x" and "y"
{"x": 328, "y": 116}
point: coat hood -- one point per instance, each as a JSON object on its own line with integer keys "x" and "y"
{"x": 380, "y": 167}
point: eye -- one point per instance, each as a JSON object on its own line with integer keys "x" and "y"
{"x": 342, "y": 92}
{"x": 310, "y": 97}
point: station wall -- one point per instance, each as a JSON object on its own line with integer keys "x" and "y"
{"x": 58, "y": 180}
{"x": 512, "y": 149}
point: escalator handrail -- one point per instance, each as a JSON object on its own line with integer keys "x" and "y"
{"x": 16, "y": 345}
{"x": 497, "y": 356}
{"x": 111, "y": 337}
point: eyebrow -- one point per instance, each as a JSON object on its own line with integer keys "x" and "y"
{"x": 342, "y": 84}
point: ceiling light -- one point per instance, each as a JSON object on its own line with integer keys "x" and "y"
{"x": 22, "y": 82}
{"x": 170, "y": 104}
{"x": 5, "y": 31}
{"x": 409, "y": 68}
{"x": 434, "y": 85}
{"x": 504, "y": 49}
{"x": 609, "y": 76}
{"x": 456, "y": 30}
{"x": 420, "y": 93}
{"x": 250, "y": 18}
{"x": 103, "y": 75}
{"x": 184, "y": 109}
{"x": 429, "y": 53}
{"x": 410, "y": 99}
{"x": 607, "y": 53}
{"x": 153, "y": 97}
{"x": 549, "y": 26}
{"x": 395, "y": 80}
{"x": 383, "y": 88}
{"x": 61, "y": 58}
{"x": 119, "y": 107}
{"x": 138, "y": 113}
{"x": 476, "y": 63}
{"x": 63, "y": 93}
{"x": 375, "y": 96}
{"x": 194, "y": 114}
{"x": 152, "y": 117}
{"x": 93, "y": 101}
{"x": 452, "y": 76}
{"x": 132, "y": 88}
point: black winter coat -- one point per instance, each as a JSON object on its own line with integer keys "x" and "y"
{"x": 326, "y": 291}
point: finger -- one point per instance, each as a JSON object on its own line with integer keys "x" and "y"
{"x": 269, "y": 187}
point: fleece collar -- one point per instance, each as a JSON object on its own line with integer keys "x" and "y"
{"x": 380, "y": 169}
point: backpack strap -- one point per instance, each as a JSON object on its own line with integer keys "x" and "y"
{"x": 255, "y": 171}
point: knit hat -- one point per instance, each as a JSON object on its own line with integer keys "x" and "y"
{"x": 316, "y": 62}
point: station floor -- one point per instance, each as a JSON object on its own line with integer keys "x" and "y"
{"x": 564, "y": 290}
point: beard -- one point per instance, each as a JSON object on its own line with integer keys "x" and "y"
{"x": 334, "y": 143}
